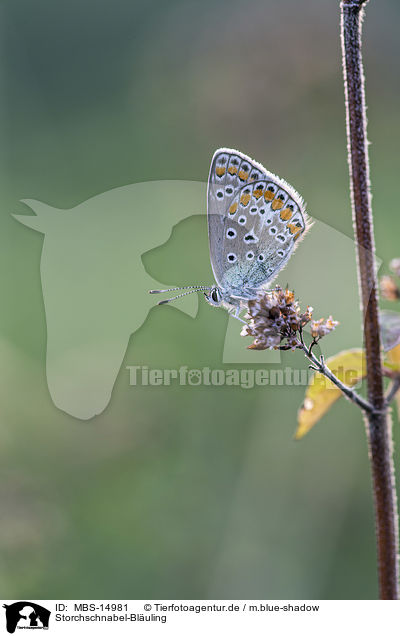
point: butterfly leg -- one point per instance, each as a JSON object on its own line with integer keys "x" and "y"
{"x": 234, "y": 312}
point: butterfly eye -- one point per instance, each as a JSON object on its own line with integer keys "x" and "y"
{"x": 215, "y": 295}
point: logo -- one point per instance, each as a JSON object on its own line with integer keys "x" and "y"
{"x": 26, "y": 615}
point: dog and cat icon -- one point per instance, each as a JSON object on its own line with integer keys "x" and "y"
{"x": 27, "y": 615}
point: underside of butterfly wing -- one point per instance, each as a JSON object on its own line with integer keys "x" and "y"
{"x": 255, "y": 221}
{"x": 230, "y": 171}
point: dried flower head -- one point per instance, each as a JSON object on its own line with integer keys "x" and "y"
{"x": 389, "y": 289}
{"x": 321, "y": 327}
{"x": 276, "y": 321}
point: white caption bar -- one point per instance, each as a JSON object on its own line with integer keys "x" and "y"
{"x": 178, "y": 617}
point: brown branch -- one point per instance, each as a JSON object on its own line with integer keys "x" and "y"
{"x": 318, "y": 364}
{"x": 378, "y": 424}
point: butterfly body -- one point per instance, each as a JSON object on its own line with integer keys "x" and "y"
{"x": 255, "y": 221}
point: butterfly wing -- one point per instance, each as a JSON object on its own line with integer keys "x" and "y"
{"x": 229, "y": 171}
{"x": 254, "y": 226}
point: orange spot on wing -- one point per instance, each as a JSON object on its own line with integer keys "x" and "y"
{"x": 294, "y": 229}
{"x": 232, "y": 170}
{"x": 277, "y": 204}
{"x": 243, "y": 175}
{"x": 269, "y": 195}
{"x": 220, "y": 171}
{"x": 286, "y": 214}
{"x": 245, "y": 198}
{"x": 258, "y": 193}
{"x": 233, "y": 208}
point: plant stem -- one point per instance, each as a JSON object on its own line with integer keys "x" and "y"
{"x": 320, "y": 366}
{"x": 378, "y": 423}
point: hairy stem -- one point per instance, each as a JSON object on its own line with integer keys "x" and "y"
{"x": 378, "y": 424}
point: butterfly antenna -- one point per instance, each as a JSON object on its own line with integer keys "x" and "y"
{"x": 164, "y": 302}
{"x": 193, "y": 287}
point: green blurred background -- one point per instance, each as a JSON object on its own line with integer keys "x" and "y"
{"x": 181, "y": 492}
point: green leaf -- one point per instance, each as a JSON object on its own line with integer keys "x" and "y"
{"x": 349, "y": 366}
{"x": 390, "y": 329}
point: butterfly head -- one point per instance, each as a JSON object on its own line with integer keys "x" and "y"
{"x": 214, "y": 298}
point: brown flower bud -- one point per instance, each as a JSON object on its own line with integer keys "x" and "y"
{"x": 321, "y": 327}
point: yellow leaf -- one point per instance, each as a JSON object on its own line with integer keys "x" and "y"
{"x": 349, "y": 367}
{"x": 393, "y": 357}
{"x": 392, "y": 366}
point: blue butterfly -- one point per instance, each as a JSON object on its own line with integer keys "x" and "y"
{"x": 255, "y": 222}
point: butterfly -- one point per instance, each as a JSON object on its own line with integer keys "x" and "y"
{"x": 255, "y": 222}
